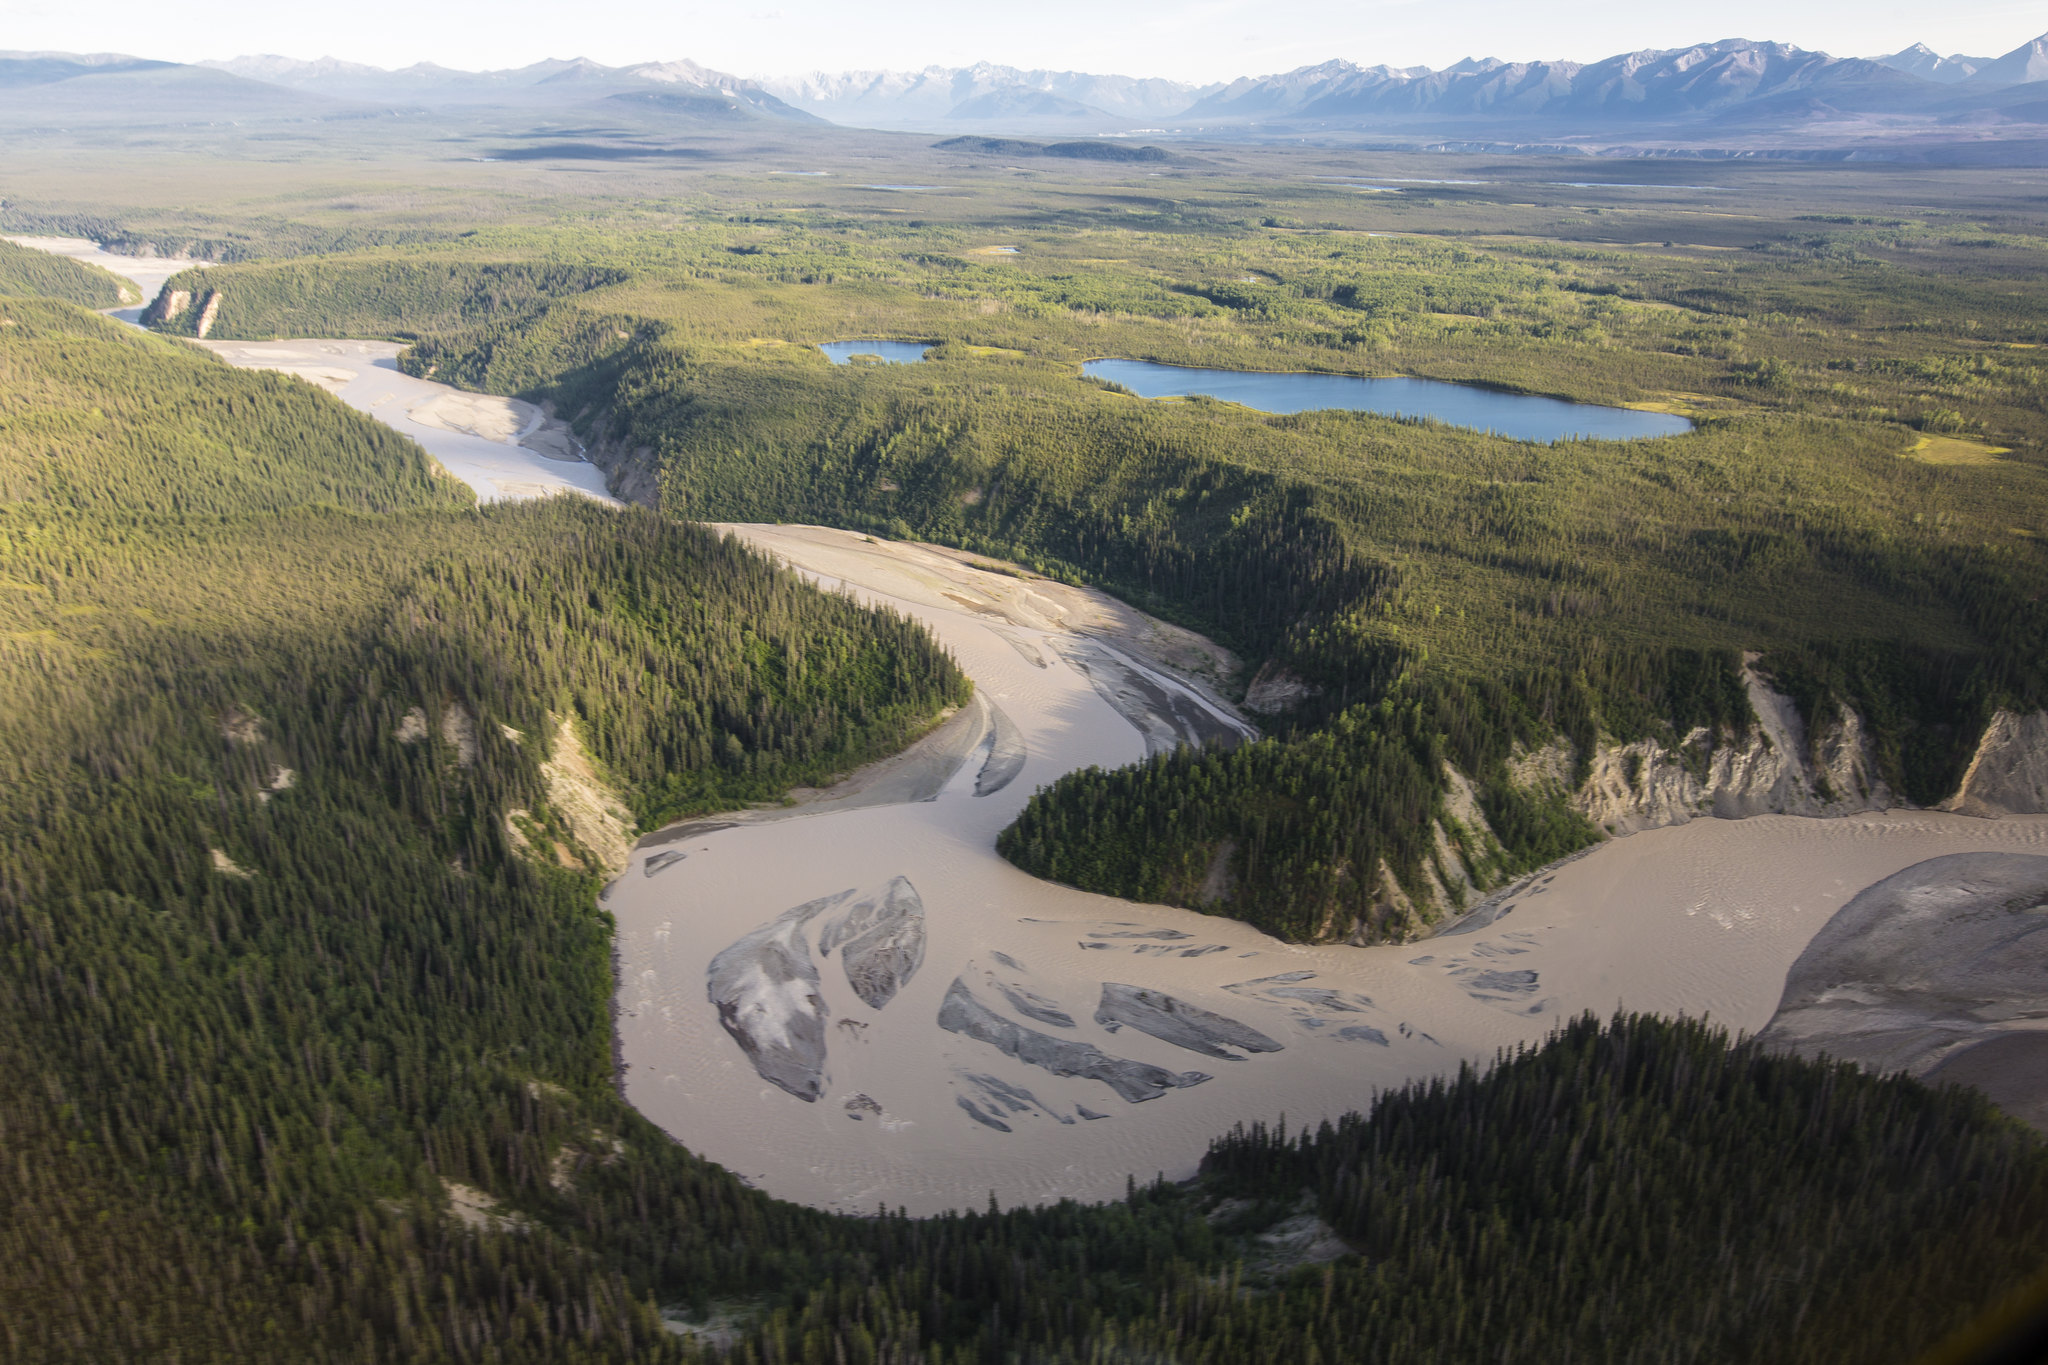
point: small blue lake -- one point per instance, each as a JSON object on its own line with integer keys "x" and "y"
{"x": 1517, "y": 415}
{"x": 890, "y": 352}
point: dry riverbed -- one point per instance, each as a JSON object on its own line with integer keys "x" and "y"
{"x": 855, "y": 1001}
{"x": 500, "y": 447}
{"x": 851, "y": 1000}
{"x": 146, "y": 273}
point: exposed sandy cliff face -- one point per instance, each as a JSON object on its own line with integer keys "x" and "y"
{"x": 1776, "y": 768}
{"x": 632, "y": 472}
{"x": 168, "y": 303}
{"x": 1779, "y": 767}
{"x": 592, "y": 810}
{"x": 1775, "y": 771}
{"x": 172, "y": 304}
{"x": 2009, "y": 775}
{"x": 1466, "y": 861}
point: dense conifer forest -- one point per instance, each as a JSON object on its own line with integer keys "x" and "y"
{"x": 375, "y": 295}
{"x": 26, "y": 273}
{"x": 253, "y": 911}
{"x": 312, "y": 1061}
{"x": 1840, "y": 510}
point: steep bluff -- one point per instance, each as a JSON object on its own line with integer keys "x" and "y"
{"x": 168, "y": 303}
{"x": 1466, "y": 858}
{"x": 1774, "y": 771}
{"x": 1779, "y": 766}
{"x": 173, "y": 310}
{"x": 2009, "y": 773}
{"x": 631, "y": 472}
{"x": 586, "y": 823}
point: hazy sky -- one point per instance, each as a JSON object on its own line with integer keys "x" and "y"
{"x": 1188, "y": 39}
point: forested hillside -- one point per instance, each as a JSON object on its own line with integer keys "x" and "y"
{"x": 25, "y": 273}
{"x": 104, "y": 421}
{"x": 1840, "y": 510}
{"x": 275, "y": 690}
{"x": 1577, "y": 1217}
{"x": 370, "y": 296}
{"x": 309, "y": 1063}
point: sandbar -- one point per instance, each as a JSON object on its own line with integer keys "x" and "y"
{"x": 482, "y": 440}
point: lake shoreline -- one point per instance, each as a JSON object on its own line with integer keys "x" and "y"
{"x": 1466, "y": 404}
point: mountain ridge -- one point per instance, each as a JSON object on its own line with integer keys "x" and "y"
{"x": 1670, "y": 84}
{"x": 1765, "y": 86}
{"x": 942, "y": 93}
{"x": 550, "y": 81}
{"x": 2023, "y": 65}
{"x": 1732, "y": 96}
{"x": 1923, "y": 61}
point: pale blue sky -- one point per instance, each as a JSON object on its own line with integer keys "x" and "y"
{"x": 1190, "y": 40}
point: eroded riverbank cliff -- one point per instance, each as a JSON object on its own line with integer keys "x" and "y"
{"x": 1780, "y": 764}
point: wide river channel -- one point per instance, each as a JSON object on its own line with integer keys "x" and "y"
{"x": 854, "y": 1001}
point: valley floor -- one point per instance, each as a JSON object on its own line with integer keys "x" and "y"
{"x": 1702, "y": 919}
{"x": 500, "y": 447}
{"x": 982, "y": 1031}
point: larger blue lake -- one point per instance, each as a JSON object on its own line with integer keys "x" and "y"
{"x": 1517, "y": 415}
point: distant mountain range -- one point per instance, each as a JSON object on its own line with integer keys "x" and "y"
{"x": 1923, "y": 61}
{"x": 550, "y": 83}
{"x": 939, "y": 96}
{"x": 1731, "y": 84}
{"x": 1729, "y": 81}
{"x": 1734, "y": 97}
{"x": 72, "y": 89}
{"x": 56, "y": 91}
{"x": 1741, "y": 97}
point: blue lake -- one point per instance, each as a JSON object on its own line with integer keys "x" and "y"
{"x": 892, "y": 352}
{"x": 1516, "y": 415}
